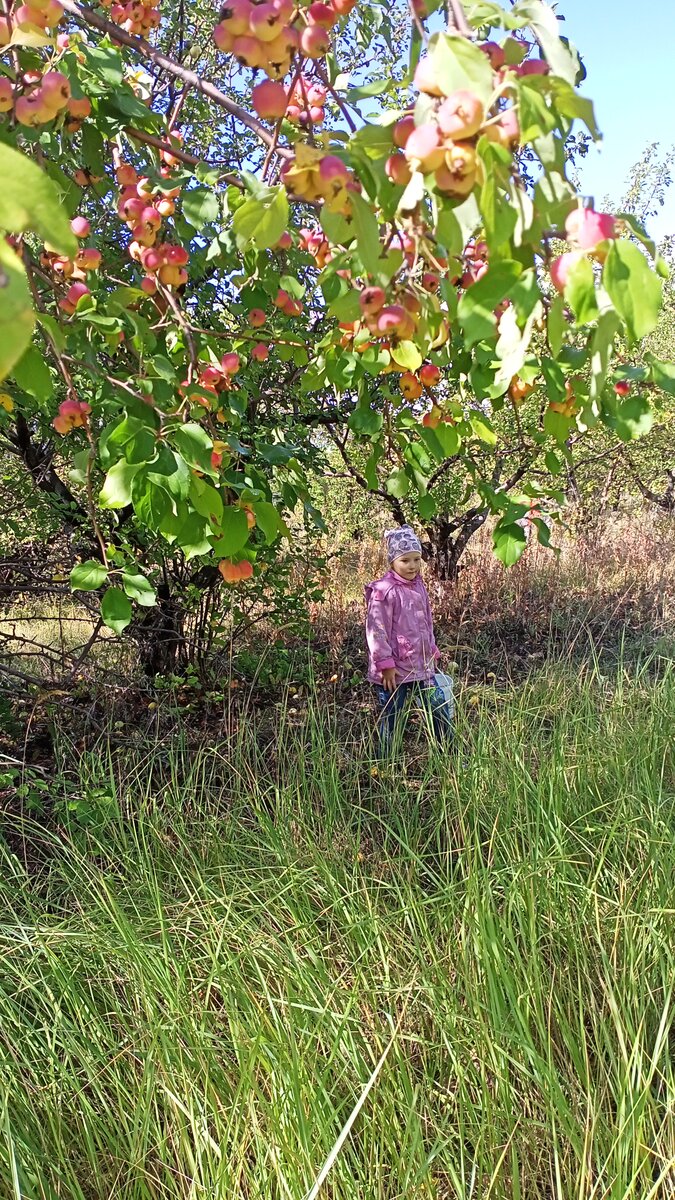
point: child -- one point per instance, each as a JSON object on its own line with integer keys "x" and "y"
{"x": 402, "y": 651}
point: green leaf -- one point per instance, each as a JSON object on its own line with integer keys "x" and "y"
{"x": 631, "y": 419}
{"x": 365, "y": 420}
{"x": 427, "y": 507}
{"x": 163, "y": 368}
{"x": 104, "y": 62}
{"x": 16, "y": 309}
{"x": 132, "y": 439}
{"x": 206, "y": 500}
{"x": 267, "y": 519}
{"x": 476, "y": 307}
{"x": 448, "y": 229}
{"x": 544, "y": 24}
{"x": 93, "y": 147}
{"x": 116, "y": 490}
{"x": 138, "y": 588}
{"x": 555, "y": 380}
{"x": 580, "y": 292}
{"x": 552, "y": 463}
{"x": 193, "y": 536}
{"x": 370, "y": 89}
{"x": 261, "y": 220}
{"x": 499, "y": 215}
{"x": 571, "y": 104}
{"x": 558, "y": 426}
{"x": 648, "y": 243}
{"x": 200, "y": 206}
{"x": 171, "y": 472}
{"x": 234, "y": 535}
{"x": 195, "y": 445}
{"x": 509, "y": 542}
{"x": 152, "y": 503}
{"x": 51, "y": 325}
{"x": 448, "y": 437}
{"x": 336, "y": 227}
{"x": 459, "y": 65}
{"x": 367, "y": 233}
{"x": 483, "y": 429}
{"x": 662, "y": 374}
{"x": 33, "y": 375}
{"x": 346, "y": 307}
{"x": 32, "y": 202}
{"x": 88, "y": 576}
{"x": 115, "y": 610}
{"x": 602, "y": 345}
{"x": 543, "y": 531}
{"x": 407, "y": 355}
{"x": 633, "y": 288}
{"x": 398, "y": 483}
{"x": 370, "y": 469}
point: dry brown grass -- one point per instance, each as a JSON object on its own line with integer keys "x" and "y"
{"x": 611, "y": 584}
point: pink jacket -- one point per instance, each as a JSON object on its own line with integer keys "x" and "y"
{"x": 399, "y": 629}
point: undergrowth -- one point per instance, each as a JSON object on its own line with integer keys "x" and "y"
{"x": 254, "y": 935}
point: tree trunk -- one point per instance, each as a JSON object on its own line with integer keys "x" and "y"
{"x": 161, "y": 636}
{"x": 449, "y": 539}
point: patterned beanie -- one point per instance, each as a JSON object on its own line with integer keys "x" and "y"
{"x": 401, "y": 541}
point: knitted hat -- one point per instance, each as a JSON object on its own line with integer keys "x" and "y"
{"x": 401, "y": 541}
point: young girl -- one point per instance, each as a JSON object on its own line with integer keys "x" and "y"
{"x": 403, "y": 655}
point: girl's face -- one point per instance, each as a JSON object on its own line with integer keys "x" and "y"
{"x": 408, "y": 565}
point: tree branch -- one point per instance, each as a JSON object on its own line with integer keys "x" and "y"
{"x": 392, "y": 503}
{"x": 142, "y": 47}
{"x": 190, "y": 160}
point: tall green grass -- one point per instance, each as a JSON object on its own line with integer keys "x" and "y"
{"x": 195, "y": 998}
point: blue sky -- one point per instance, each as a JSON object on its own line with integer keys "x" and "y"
{"x": 627, "y": 49}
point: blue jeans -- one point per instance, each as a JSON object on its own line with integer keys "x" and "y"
{"x": 394, "y": 705}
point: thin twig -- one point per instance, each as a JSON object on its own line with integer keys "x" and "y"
{"x": 190, "y": 160}
{"x": 180, "y": 317}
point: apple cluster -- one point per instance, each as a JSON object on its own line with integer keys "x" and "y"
{"x": 413, "y": 383}
{"x": 138, "y": 16}
{"x": 436, "y": 416}
{"x": 72, "y": 414}
{"x": 443, "y": 143}
{"x": 36, "y": 16}
{"x": 213, "y": 379}
{"x": 143, "y": 206}
{"x": 386, "y": 319}
{"x": 317, "y": 177}
{"x": 588, "y": 233}
{"x": 269, "y": 34}
{"x": 314, "y": 242}
{"x": 286, "y": 304}
{"x": 40, "y": 99}
{"x": 235, "y": 572}
{"x": 568, "y": 407}
{"x": 87, "y": 259}
{"x": 302, "y": 105}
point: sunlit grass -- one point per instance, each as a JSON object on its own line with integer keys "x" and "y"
{"x": 194, "y": 998}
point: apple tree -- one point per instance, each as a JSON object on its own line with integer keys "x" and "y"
{"x": 235, "y": 238}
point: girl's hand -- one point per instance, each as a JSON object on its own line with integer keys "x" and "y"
{"x": 389, "y": 679}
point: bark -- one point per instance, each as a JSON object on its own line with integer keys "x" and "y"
{"x": 160, "y": 634}
{"x": 37, "y": 458}
{"x": 449, "y": 539}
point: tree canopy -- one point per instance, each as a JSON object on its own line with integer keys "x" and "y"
{"x": 233, "y": 241}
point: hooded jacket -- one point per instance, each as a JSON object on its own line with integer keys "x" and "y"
{"x": 399, "y": 629}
